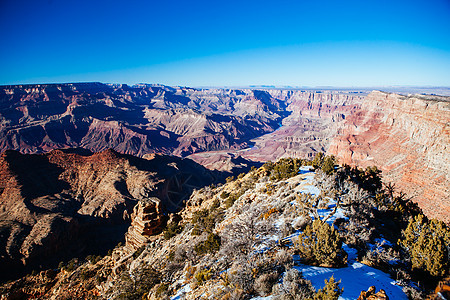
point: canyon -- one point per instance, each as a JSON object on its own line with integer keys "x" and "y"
{"x": 86, "y": 165}
{"x": 230, "y": 130}
{"x": 408, "y": 138}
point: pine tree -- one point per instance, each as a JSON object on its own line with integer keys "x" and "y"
{"x": 318, "y": 160}
{"x": 328, "y": 164}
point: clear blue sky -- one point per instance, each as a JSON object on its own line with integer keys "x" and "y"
{"x": 226, "y": 43}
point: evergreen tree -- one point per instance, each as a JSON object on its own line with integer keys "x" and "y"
{"x": 328, "y": 164}
{"x": 318, "y": 160}
{"x": 427, "y": 243}
{"x": 321, "y": 244}
{"x": 331, "y": 290}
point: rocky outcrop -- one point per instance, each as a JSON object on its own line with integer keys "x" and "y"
{"x": 225, "y": 161}
{"x": 69, "y": 203}
{"x": 408, "y": 138}
{"x": 371, "y": 295}
{"x": 148, "y": 219}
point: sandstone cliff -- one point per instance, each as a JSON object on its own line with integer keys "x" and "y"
{"x": 408, "y": 137}
{"x": 226, "y": 129}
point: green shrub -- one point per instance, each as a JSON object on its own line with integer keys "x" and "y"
{"x": 86, "y": 274}
{"x": 232, "y": 198}
{"x": 205, "y": 220}
{"x": 321, "y": 244}
{"x": 162, "y": 288}
{"x": 224, "y": 195}
{"x": 427, "y": 243}
{"x": 328, "y": 164}
{"x": 137, "y": 284}
{"x": 71, "y": 265}
{"x": 229, "y": 179}
{"x": 172, "y": 230}
{"x": 211, "y": 245}
{"x": 331, "y": 290}
{"x": 318, "y": 160}
{"x": 285, "y": 168}
{"x": 202, "y": 276}
{"x": 215, "y": 205}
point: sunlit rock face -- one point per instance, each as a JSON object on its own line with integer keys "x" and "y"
{"x": 312, "y": 121}
{"x": 147, "y": 219}
{"x": 408, "y": 137}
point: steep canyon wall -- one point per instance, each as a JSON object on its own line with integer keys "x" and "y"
{"x": 408, "y": 137}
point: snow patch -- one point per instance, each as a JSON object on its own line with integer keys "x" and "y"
{"x": 354, "y": 278}
{"x": 182, "y": 292}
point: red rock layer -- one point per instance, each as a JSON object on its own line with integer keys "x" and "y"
{"x": 408, "y": 138}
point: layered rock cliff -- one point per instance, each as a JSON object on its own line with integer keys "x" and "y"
{"x": 312, "y": 121}
{"x": 408, "y": 137}
{"x": 70, "y": 203}
{"x": 147, "y": 220}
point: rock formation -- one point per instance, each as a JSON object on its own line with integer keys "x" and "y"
{"x": 408, "y": 138}
{"x": 224, "y": 129}
{"x": 312, "y": 121}
{"x": 371, "y": 295}
{"x": 147, "y": 219}
{"x": 70, "y": 203}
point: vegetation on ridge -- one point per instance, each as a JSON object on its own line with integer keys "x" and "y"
{"x": 238, "y": 240}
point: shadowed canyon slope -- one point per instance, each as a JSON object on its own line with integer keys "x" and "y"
{"x": 406, "y": 137}
{"x": 69, "y": 203}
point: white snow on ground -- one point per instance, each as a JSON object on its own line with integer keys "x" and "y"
{"x": 182, "y": 292}
{"x": 305, "y": 169}
{"x": 354, "y": 278}
{"x": 307, "y": 185}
